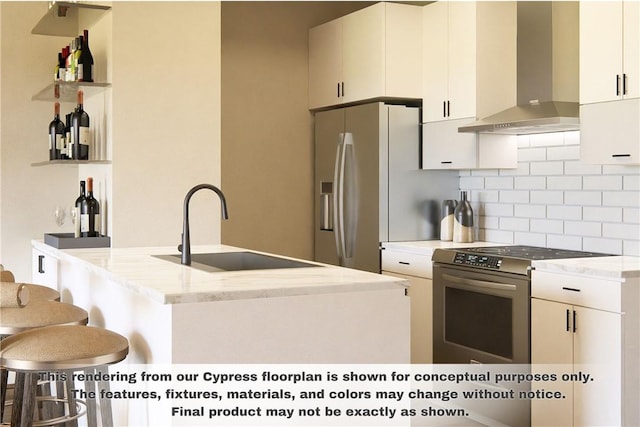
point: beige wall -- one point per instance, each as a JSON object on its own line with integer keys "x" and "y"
{"x": 28, "y": 194}
{"x": 267, "y": 130}
{"x": 166, "y": 120}
{"x": 164, "y": 129}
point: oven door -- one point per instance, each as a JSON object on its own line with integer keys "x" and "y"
{"x": 479, "y": 316}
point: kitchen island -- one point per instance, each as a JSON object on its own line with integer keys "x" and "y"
{"x": 176, "y": 314}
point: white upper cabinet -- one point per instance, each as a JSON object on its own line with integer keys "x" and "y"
{"x": 372, "y": 53}
{"x": 610, "y": 82}
{"x": 609, "y": 51}
{"x": 469, "y": 59}
{"x": 449, "y": 85}
{"x": 469, "y": 71}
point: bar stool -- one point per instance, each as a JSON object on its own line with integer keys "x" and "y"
{"x": 36, "y": 314}
{"x": 55, "y": 350}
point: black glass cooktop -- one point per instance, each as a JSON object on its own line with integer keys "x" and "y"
{"x": 529, "y": 252}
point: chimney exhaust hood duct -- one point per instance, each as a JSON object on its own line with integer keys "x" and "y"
{"x": 547, "y": 80}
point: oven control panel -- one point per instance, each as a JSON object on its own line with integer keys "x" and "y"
{"x": 486, "y": 261}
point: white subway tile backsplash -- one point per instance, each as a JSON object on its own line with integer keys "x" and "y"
{"x": 497, "y": 209}
{"x": 572, "y": 138}
{"x": 601, "y": 245}
{"x": 559, "y": 241}
{"x": 631, "y": 247}
{"x": 531, "y": 239}
{"x": 514, "y": 196}
{"x": 631, "y": 215}
{"x": 522, "y": 169}
{"x": 583, "y": 198}
{"x": 530, "y": 183}
{"x": 530, "y": 211}
{"x": 546, "y": 139}
{"x": 620, "y": 231}
{"x": 620, "y": 170}
{"x": 579, "y": 168}
{"x": 485, "y": 196}
{"x": 602, "y": 214}
{"x": 621, "y": 198}
{"x": 609, "y": 182}
{"x": 564, "y": 212}
{"x": 532, "y": 154}
{"x": 547, "y": 168}
{"x": 547, "y": 226}
{"x": 583, "y": 228}
{"x": 564, "y": 182}
{"x": 498, "y": 183}
{"x": 631, "y": 182}
{"x": 514, "y": 224}
{"x": 497, "y": 236}
{"x": 552, "y": 199}
{"x": 472, "y": 182}
{"x": 565, "y": 152}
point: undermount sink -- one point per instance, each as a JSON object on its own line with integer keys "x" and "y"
{"x": 236, "y": 261}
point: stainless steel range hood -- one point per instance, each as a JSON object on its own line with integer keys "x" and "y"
{"x": 547, "y": 80}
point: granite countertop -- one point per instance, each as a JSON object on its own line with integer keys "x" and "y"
{"x": 171, "y": 283}
{"x": 609, "y": 267}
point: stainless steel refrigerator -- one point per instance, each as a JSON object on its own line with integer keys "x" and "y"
{"x": 369, "y": 187}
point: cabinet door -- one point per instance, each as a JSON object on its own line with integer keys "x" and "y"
{"x": 421, "y": 295}
{"x": 610, "y": 131}
{"x": 551, "y": 352}
{"x": 325, "y": 64}
{"x": 363, "y": 44}
{"x": 435, "y": 60}
{"x": 600, "y": 50}
{"x": 443, "y": 147}
{"x": 598, "y": 352}
{"x": 461, "y": 82}
{"x": 631, "y": 39}
{"x": 44, "y": 269}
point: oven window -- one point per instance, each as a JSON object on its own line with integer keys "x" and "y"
{"x": 479, "y": 321}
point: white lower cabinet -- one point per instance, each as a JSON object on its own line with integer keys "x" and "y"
{"x": 416, "y": 269}
{"x": 44, "y": 269}
{"x": 580, "y": 326}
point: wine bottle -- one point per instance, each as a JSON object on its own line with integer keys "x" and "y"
{"x": 90, "y": 213}
{"x": 76, "y": 57}
{"x": 85, "y": 60}
{"x": 66, "y": 152}
{"x": 78, "y": 208}
{"x": 56, "y": 133}
{"x": 80, "y": 132}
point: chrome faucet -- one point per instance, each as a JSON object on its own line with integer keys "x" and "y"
{"x": 185, "y": 247}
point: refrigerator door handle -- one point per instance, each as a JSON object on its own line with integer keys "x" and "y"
{"x": 338, "y": 198}
{"x": 345, "y": 200}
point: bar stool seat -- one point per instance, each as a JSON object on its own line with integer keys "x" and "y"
{"x": 37, "y": 314}
{"x": 54, "y": 349}
{"x": 39, "y": 292}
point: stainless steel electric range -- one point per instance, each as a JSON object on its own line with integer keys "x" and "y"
{"x": 481, "y": 302}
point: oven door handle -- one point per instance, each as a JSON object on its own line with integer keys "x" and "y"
{"x": 478, "y": 283}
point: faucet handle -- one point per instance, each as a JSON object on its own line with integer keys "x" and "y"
{"x": 180, "y": 248}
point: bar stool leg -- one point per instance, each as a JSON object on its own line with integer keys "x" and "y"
{"x": 105, "y": 403}
{"x": 25, "y": 398}
{"x": 4, "y": 384}
{"x": 71, "y": 401}
{"x": 90, "y": 387}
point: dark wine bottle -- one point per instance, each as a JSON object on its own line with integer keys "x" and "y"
{"x": 56, "y": 133}
{"x": 66, "y": 149}
{"x": 80, "y": 132}
{"x": 78, "y": 207}
{"x": 90, "y": 213}
{"x": 85, "y": 60}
